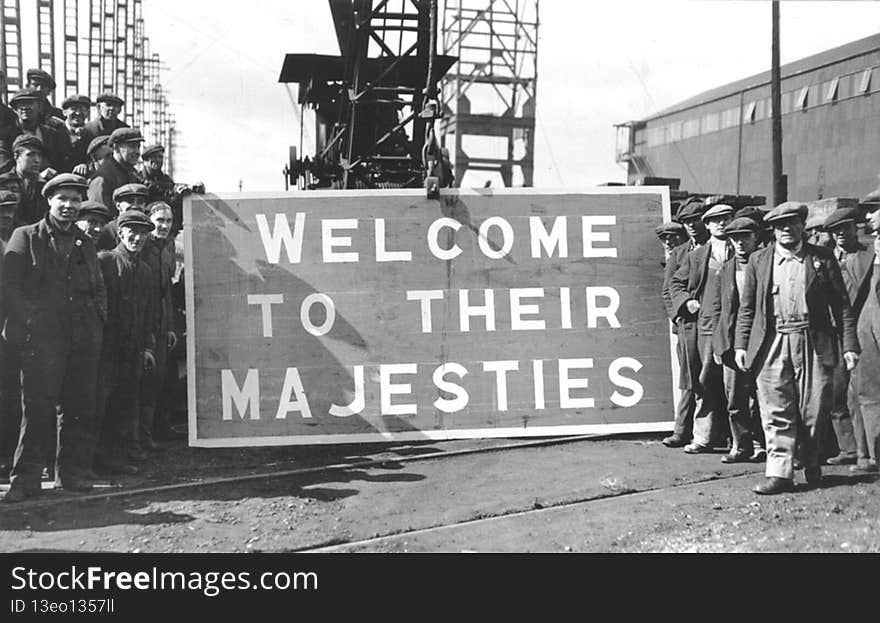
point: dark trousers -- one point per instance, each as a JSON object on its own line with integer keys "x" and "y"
{"x": 841, "y": 416}
{"x": 152, "y": 390}
{"x": 10, "y": 401}
{"x": 60, "y": 371}
{"x": 115, "y": 429}
{"x": 742, "y": 408}
{"x": 711, "y": 409}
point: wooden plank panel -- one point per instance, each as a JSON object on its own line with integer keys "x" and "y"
{"x": 263, "y": 372}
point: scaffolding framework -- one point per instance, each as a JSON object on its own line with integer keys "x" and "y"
{"x": 71, "y": 46}
{"x": 489, "y": 97}
{"x": 10, "y": 46}
{"x": 46, "y": 37}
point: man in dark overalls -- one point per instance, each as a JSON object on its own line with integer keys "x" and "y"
{"x": 55, "y": 307}
{"x": 127, "y": 348}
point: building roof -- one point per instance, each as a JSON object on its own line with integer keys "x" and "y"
{"x": 853, "y": 49}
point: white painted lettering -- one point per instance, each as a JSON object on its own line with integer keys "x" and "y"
{"x": 433, "y": 239}
{"x": 265, "y": 301}
{"x": 329, "y": 314}
{"x": 357, "y": 403}
{"x": 382, "y": 254}
{"x": 518, "y": 309}
{"x": 425, "y": 297}
{"x": 483, "y": 240}
{"x": 329, "y": 242}
{"x": 618, "y": 379}
{"x": 591, "y": 236}
{"x": 465, "y": 311}
{"x": 450, "y": 405}
{"x": 282, "y": 236}
{"x": 556, "y": 238}
{"x": 567, "y": 384}
{"x": 595, "y": 311}
{"x": 387, "y": 389}
{"x": 292, "y": 385}
{"x": 500, "y": 368}
{"x": 245, "y": 398}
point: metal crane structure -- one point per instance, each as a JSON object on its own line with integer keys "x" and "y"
{"x": 375, "y": 104}
{"x": 116, "y": 58}
{"x": 489, "y": 98}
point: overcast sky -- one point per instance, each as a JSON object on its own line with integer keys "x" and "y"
{"x": 599, "y": 63}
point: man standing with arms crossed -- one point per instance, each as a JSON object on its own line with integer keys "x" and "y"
{"x": 785, "y": 337}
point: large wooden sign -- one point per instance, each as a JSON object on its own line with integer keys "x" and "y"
{"x": 363, "y": 316}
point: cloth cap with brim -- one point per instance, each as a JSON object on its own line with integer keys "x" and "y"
{"x": 25, "y": 95}
{"x": 65, "y": 180}
{"x": 134, "y": 218}
{"x": 669, "y": 229}
{"x": 841, "y": 216}
{"x": 76, "y": 100}
{"x": 38, "y": 75}
{"x": 742, "y": 225}
{"x": 787, "y": 210}
{"x": 692, "y": 209}
{"x": 93, "y": 208}
{"x": 110, "y": 98}
{"x": 152, "y": 150}
{"x": 130, "y": 190}
{"x": 753, "y": 212}
{"x": 28, "y": 141}
{"x": 719, "y": 209}
{"x": 97, "y": 143}
{"x": 7, "y": 197}
{"x": 125, "y": 135}
{"x": 815, "y": 222}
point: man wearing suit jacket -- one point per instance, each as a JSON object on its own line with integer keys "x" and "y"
{"x": 686, "y": 345}
{"x": 786, "y": 337}
{"x": 690, "y": 289}
{"x": 739, "y": 386}
{"x": 855, "y": 260}
{"x": 866, "y": 378}
{"x": 55, "y": 306}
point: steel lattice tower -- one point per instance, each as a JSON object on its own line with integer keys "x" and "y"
{"x": 71, "y": 46}
{"x": 10, "y": 46}
{"x": 489, "y": 98}
{"x": 46, "y": 37}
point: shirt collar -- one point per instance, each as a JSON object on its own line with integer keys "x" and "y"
{"x": 781, "y": 254}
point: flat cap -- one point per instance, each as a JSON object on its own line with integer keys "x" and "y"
{"x": 65, "y": 180}
{"x": 134, "y": 218}
{"x": 786, "y": 210}
{"x": 97, "y": 142}
{"x": 719, "y": 209}
{"x": 130, "y": 190}
{"x": 125, "y": 135}
{"x": 110, "y": 98}
{"x": 152, "y": 149}
{"x": 742, "y": 225}
{"x": 28, "y": 141}
{"x": 76, "y": 100}
{"x": 93, "y": 208}
{"x": 817, "y": 221}
{"x": 841, "y": 216}
{"x": 38, "y": 75}
{"x": 692, "y": 208}
{"x": 753, "y": 212}
{"x": 7, "y": 197}
{"x": 25, "y": 94}
{"x": 671, "y": 228}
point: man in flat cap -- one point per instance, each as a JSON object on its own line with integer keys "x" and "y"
{"x": 160, "y": 185}
{"x": 739, "y": 386}
{"x": 117, "y": 170}
{"x": 109, "y": 107}
{"x": 671, "y": 235}
{"x": 43, "y": 82}
{"x": 55, "y": 307}
{"x": 128, "y": 345}
{"x": 10, "y": 395}
{"x": 24, "y": 180}
{"x": 158, "y": 254}
{"x": 126, "y": 197}
{"x": 686, "y": 348}
{"x": 856, "y": 263}
{"x": 865, "y": 378}
{"x": 691, "y": 288}
{"x": 98, "y": 153}
{"x": 92, "y": 219}
{"x": 786, "y": 337}
{"x": 76, "y": 113}
{"x": 27, "y": 106}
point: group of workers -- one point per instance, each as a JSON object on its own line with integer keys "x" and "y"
{"x": 87, "y": 260}
{"x": 778, "y": 336}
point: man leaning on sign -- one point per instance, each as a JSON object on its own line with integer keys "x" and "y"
{"x": 785, "y": 336}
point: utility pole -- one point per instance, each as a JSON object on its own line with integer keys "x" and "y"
{"x": 780, "y": 185}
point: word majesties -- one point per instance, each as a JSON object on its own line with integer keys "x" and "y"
{"x": 346, "y": 317}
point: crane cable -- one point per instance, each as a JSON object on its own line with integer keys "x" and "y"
{"x": 430, "y": 145}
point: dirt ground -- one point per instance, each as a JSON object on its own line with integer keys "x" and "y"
{"x": 625, "y": 494}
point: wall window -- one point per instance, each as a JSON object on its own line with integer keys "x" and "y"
{"x": 656, "y": 136}
{"x": 749, "y": 115}
{"x": 730, "y": 118}
{"x": 865, "y": 81}
{"x": 830, "y": 89}
{"x": 786, "y": 102}
{"x": 690, "y": 128}
{"x": 673, "y": 131}
{"x": 710, "y": 123}
{"x": 801, "y": 102}
{"x": 761, "y": 109}
{"x": 844, "y": 86}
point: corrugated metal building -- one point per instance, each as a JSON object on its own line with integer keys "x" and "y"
{"x": 720, "y": 140}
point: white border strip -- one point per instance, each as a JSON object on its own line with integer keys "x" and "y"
{"x": 190, "y": 318}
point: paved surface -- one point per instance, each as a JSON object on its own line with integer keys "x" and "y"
{"x": 599, "y": 495}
